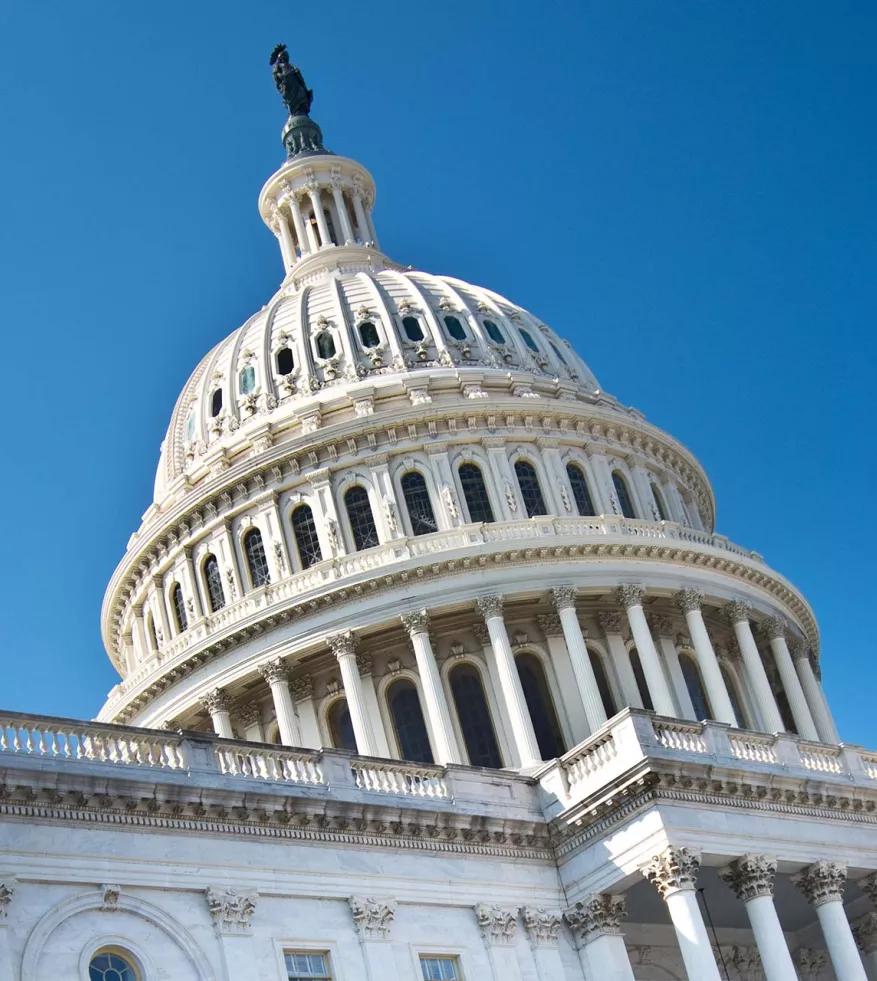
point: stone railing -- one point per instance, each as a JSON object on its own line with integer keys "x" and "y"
{"x": 399, "y": 778}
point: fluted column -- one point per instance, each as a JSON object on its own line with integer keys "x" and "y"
{"x": 674, "y": 874}
{"x": 276, "y": 674}
{"x": 490, "y": 607}
{"x": 343, "y": 646}
{"x": 564, "y": 599}
{"x": 800, "y": 651}
{"x": 823, "y": 885}
{"x": 689, "y": 602}
{"x": 361, "y": 222}
{"x": 596, "y": 926}
{"x": 738, "y": 616}
{"x": 775, "y": 631}
{"x": 611, "y": 624}
{"x": 341, "y": 207}
{"x": 631, "y": 598}
{"x": 752, "y": 879}
{"x": 298, "y": 222}
{"x": 280, "y": 226}
{"x": 440, "y": 725}
{"x": 218, "y": 704}
{"x": 662, "y": 630}
{"x": 325, "y": 237}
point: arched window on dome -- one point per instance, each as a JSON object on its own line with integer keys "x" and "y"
{"x": 341, "y": 726}
{"x": 455, "y": 328}
{"x": 216, "y": 402}
{"x": 528, "y": 340}
{"x": 411, "y": 735}
{"x": 285, "y": 361}
{"x": 247, "y": 380}
{"x": 412, "y": 328}
{"x": 151, "y": 633}
{"x": 640, "y": 678}
{"x": 325, "y": 345}
{"x": 734, "y": 696}
{"x": 179, "y": 605}
{"x": 603, "y": 685}
{"x": 418, "y": 504}
{"x": 368, "y": 334}
{"x": 694, "y": 684}
{"x": 330, "y": 224}
{"x": 475, "y": 493}
{"x": 112, "y": 964}
{"x": 493, "y": 332}
{"x": 362, "y": 522}
{"x": 659, "y": 501}
{"x": 540, "y": 704}
{"x": 531, "y": 492}
{"x": 213, "y": 578}
{"x": 623, "y": 494}
{"x": 257, "y": 562}
{"x": 190, "y": 426}
{"x": 556, "y": 350}
{"x": 580, "y": 491}
{"x": 474, "y": 715}
{"x": 304, "y": 530}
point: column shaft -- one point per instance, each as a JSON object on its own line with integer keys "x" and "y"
{"x": 299, "y": 224}
{"x": 221, "y": 719}
{"x": 325, "y": 238}
{"x": 446, "y": 749}
{"x": 344, "y": 217}
{"x": 792, "y": 686}
{"x": 716, "y": 690}
{"x": 286, "y": 243}
{"x": 839, "y": 939}
{"x": 581, "y": 665}
{"x": 356, "y": 704}
{"x": 818, "y": 706}
{"x": 361, "y": 223}
{"x": 285, "y": 711}
{"x": 651, "y": 663}
{"x": 767, "y": 706}
{"x": 611, "y": 623}
{"x": 770, "y": 940}
{"x": 694, "y": 941}
{"x": 605, "y": 959}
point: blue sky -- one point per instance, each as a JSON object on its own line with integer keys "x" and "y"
{"x": 684, "y": 189}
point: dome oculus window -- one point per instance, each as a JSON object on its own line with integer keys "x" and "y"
{"x": 455, "y": 328}
{"x": 325, "y": 345}
{"x": 285, "y": 361}
{"x": 216, "y": 402}
{"x": 111, "y": 965}
{"x": 247, "y": 380}
{"x": 528, "y": 340}
{"x": 368, "y": 334}
{"x": 493, "y": 332}
{"x": 412, "y": 328}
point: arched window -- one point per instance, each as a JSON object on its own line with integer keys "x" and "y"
{"x": 112, "y": 965}
{"x": 455, "y": 328}
{"x": 580, "y": 490}
{"x": 213, "y": 579}
{"x": 285, "y": 361}
{"x": 369, "y": 334}
{"x": 474, "y": 715}
{"x": 408, "y": 722}
{"x": 475, "y": 493}
{"x": 540, "y": 705}
{"x": 190, "y": 426}
{"x": 659, "y": 502}
{"x": 640, "y": 677}
{"x": 417, "y": 502}
{"x": 528, "y": 340}
{"x": 694, "y": 684}
{"x": 216, "y": 402}
{"x": 531, "y": 492}
{"x": 623, "y": 495}
{"x": 325, "y": 345}
{"x": 257, "y": 562}
{"x": 304, "y": 529}
{"x": 603, "y": 687}
{"x": 341, "y": 726}
{"x": 179, "y": 605}
{"x": 362, "y": 522}
{"x": 556, "y": 350}
{"x": 494, "y": 332}
{"x": 151, "y": 634}
{"x": 247, "y": 380}
{"x": 333, "y": 235}
{"x": 412, "y": 328}
{"x": 734, "y": 696}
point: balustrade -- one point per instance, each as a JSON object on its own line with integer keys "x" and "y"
{"x": 246, "y": 760}
{"x": 405, "y": 779}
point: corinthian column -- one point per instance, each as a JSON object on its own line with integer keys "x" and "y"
{"x": 674, "y": 874}
{"x": 823, "y": 885}
{"x": 752, "y": 877}
{"x": 343, "y": 646}
{"x": 775, "y": 631}
{"x": 800, "y": 651}
{"x": 440, "y": 725}
{"x": 738, "y": 616}
{"x": 596, "y": 925}
{"x": 543, "y": 927}
{"x": 631, "y": 598}
{"x": 564, "y": 598}
{"x": 276, "y": 674}
{"x": 218, "y": 705}
{"x": 689, "y": 601}
{"x": 372, "y": 920}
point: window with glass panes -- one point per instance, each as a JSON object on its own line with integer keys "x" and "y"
{"x": 624, "y": 501}
{"x": 307, "y": 966}
{"x": 214, "y": 583}
{"x": 256, "y": 559}
{"x": 440, "y": 969}
{"x": 475, "y": 492}
{"x": 418, "y": 504}
{"x": 179, "y": 608}
{"x": 534, "y": 502}
{"x": 362, "y": 522}
{"x": 304, "y": 529}
{"x": 580, "y": 490}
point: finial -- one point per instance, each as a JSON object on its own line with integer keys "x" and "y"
{"x": 301, "y": 135}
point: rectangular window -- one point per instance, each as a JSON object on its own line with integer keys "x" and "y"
{"x": 440, "y": 969}
{"x": 307, "y": 966}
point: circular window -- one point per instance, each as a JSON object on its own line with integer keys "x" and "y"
{"x": 112, "y": 965}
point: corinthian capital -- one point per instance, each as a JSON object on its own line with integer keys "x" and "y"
{"x": 774, "y": 627}
{"x": 631, "y": 594}
{"x": 302, "y": 688}
{"x": 217, "y": 700}
{"x": 737, "y": 611}
{"x": 372, "y": 917}
{"x": 865, "y": 932}
{"x": 800, "y": 649}
{"x": 868, "y": 885}
{"x": 416, "y": 623}
{"x": 689, "y": 600}
{"x": 750, "y": 876}
{"x": 275, "y": 670}
{"x": 597, "y": 916}
{"x": 610, "y": 622}
{"x": 563, "y": 598}
{"x": 673, "y": 870}
{"x": 343, "y": 643}
{"x": 822, "y": 882}
{"x": 489, "y": 606}
{"x": 810, "y": 962}
{"x": 542, "y": 925}
{"x": 550, "y": 625}
{"x": 231, "y": 911}
{"x": 497, "y": 925}
{"x": 662, "y": 626}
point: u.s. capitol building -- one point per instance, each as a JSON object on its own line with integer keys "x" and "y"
{"x": 434, "y": 668}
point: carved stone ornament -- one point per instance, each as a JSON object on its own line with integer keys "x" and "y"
{"x": 497, "y": 925}
{"x": 274, "y": 670}
{"x": 750, "y": 876}
{"x": 550, "y": 625}
{"x": 372, "y": 917}
{"x": 747, "y": 960}
{"x": 689, "y": 600}
{"x": 216, "y": 701}
{"x": 738, "y": 611}
{"x": 800, "y": 649}
{"x": 364, "y": 665}
{"x": 631, "y": 594}
{"x": 489, "y": 606}
{"x": 662, "y": 626}
{"x": 610, "y": 622}
{"x": 482, "y": 634}
{"x": 110, "y": 901}
{"x": 868, "y": 885}
{"x": 231, "y": 911}
{"x": 865, "y": 932}
{"x": 598, "y": 916}
{"x": 542, "y": 925}
{"x": 417, "y": 622}
{"x": 343, "y": 643}
{"x": 302, "y": 688}
{"x": 249, "y": 715}
{"x": 822, "y": 882}
{"x": 7, "y": 891}
{"x": 673, "y": 870}
{"x": 563, "y": 598}
{"x": 809, "y": 962}
{"x": 774, "y": 627}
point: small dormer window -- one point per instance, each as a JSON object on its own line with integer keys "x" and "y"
{"x": 412, "y": 328}
{"x": 455, "y": 328}
{"x": 216, "y": 402}
{"x": 190, "y": 426}
{"x": 369, "y": 334}
{"x": 528, "y": 340}
{"x": 494, "y": 332}
{"x": 247, "y": 379}
{"x": 561, "y": 358}
{"x": 285, "y": 361}
{"x": 325, "y": 345}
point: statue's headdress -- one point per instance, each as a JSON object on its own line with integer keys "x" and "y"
{"x": 276, "y": 53}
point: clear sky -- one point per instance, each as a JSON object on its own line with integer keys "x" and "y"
{"x": 683, "y": 188}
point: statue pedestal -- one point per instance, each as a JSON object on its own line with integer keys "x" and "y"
{"x": 302, "y": 137}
